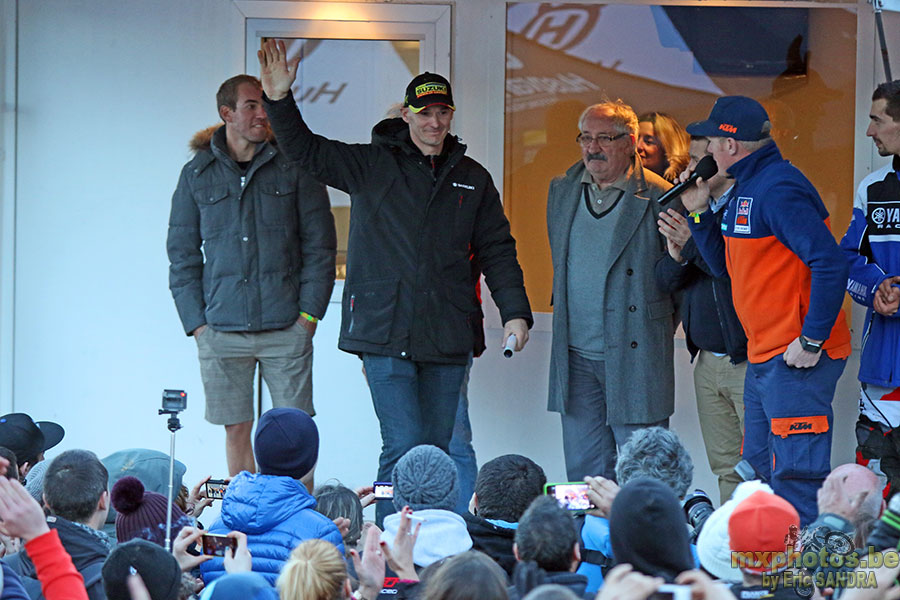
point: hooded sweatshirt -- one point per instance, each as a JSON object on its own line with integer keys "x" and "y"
{"x": 442, "y": 534}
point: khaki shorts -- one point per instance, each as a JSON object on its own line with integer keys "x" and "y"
{"x": 228, "y": 362}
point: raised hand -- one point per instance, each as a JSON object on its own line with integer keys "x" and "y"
{"x": 197, "y": 499}
{"x": 676, "y": 231}
{"x": 601, "y": 492}
{"x": 365, "y": 493}
{"x": 399, "y": 557}
{"x": 186, "y": 537}
{"x": 22, "y": 516}
{"x": 696, "y": 198}
{"x": 624, "y": 583}
{"x": 276, "y": 73}
{"x": 240, "y": 561}
{"x": 370, "y": 566}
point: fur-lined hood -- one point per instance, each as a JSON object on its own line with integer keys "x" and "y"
{"x": 202, "y": 140}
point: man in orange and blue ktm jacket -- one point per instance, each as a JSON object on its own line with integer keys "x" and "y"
{"x": 788, "y": 277}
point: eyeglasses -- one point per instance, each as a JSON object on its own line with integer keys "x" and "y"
{"x": 602, "y": 140}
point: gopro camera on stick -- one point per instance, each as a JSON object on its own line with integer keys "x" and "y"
{"x": 174, "y": 401}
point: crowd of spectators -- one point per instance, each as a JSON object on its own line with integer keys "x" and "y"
{"x": 283, "y": 538}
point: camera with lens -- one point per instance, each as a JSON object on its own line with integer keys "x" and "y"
{"x": 697, "y": 508}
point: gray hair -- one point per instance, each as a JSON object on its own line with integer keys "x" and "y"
{"x": 757, "y": 144}
{"x": 623, "y": 116}
{"x": 656, "y": 453}
{"x": 335, "y": 500}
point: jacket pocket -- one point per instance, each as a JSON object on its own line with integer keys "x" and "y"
{"x": 278, "y": 204}
{"x": 449, "y": 318}
{"x": 370, "y": 306}
{"x": 216, "y": 210}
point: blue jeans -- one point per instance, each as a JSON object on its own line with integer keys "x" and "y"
{"x": 590, "y": 444}
{"x": 416, "y": 403}
{"x": 461, "y": 450}
{"x": 788, "y": 421}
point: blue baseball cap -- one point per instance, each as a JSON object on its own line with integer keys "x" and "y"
{"x": 737, "y": 117}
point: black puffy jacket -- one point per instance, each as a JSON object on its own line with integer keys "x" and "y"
{"x": 408, "y": 291}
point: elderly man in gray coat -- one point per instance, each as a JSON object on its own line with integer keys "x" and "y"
{"x": 611, "y": 362}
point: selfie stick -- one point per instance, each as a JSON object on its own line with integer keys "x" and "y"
{"x": 510, "y": 345}
{"x": 173, "y": 425}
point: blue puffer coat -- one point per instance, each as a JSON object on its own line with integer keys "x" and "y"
{"x": 276, "y": 513}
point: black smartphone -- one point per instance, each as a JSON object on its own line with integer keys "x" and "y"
{"x": 384, "y": 490}
{"x": 215, "y": 488}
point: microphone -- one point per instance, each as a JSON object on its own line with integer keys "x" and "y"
{"x": 510, "y": 346}
{"x": 706, "y": 168}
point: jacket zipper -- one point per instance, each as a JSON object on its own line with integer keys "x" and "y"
{"x": 352, "y": 302}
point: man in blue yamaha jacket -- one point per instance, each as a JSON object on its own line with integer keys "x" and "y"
{"x": 872, "y": 246}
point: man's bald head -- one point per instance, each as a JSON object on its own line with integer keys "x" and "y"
{"x": 856, "y": 478}
{"x": 853, "y": 480}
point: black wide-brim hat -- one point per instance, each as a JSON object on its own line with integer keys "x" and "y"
{"x": 27, "y": 438}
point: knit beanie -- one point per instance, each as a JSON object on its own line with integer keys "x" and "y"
{"x": 158, "y": 569}
{"x": 142, "y": 514}
{"x": 286, "y": 443}
{"x": 34, "y": 481}
{"x": 239, "y": 586}
{"x": 648, "y": 529}
{"x": 425, "y": 477}
{"x": 713, "y": 545}
{"x": 150, "y": 466}
{"x": 762, "y": 523}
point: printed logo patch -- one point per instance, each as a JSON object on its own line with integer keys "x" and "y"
{"x": 884, "y": 217}
{"x": 728, "y": 127}
{"x": 463, "y": 185}
{"x": 742, "y": 218}
{"x": 430, "y": 88}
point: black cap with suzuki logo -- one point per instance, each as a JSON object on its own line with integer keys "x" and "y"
{"x": 426, "y": 90}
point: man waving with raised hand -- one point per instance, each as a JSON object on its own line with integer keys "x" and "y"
{"x": 420, "y": 209}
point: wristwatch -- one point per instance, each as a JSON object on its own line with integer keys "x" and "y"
{"x": 810, "y": 346}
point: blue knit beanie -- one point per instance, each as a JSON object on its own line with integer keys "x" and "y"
{"x": 425, "y": 477}
{"x": 286, "y": 443}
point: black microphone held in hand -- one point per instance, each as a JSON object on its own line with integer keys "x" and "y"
{"x": 706, "y": 168}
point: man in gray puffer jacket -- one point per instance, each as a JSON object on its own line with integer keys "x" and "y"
{"x": 252, "y": 261}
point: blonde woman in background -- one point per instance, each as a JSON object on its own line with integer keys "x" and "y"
{"x": 662, "y": 145}
{"x": 316, "y": 570}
